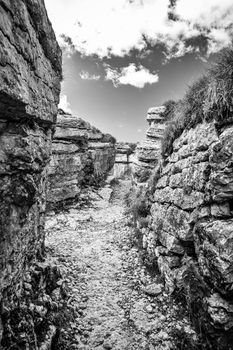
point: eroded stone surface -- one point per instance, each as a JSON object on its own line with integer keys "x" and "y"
{"x": 148, "y": 152}
{"x": 81, "y": 156}
{"x": 191, "y": 216}
{"x": 30, "y": 74}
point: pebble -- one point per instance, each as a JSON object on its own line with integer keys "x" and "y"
{"x": 149, "y": 309}
{"x": 153, "y": 289}
{"x": 105, "y": 279}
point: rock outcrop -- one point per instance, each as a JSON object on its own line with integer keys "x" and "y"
{"x": 190, "y": 227}
{"x": 81, "y": 156}
{"x": 124, "y": 159}
{"x": 148, "y": 152}
{"x": 30, "y": 74}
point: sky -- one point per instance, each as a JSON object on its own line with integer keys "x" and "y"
{"x": 121, "y": 57}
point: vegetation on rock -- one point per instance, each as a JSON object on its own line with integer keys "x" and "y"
{"x": 210, "y": 97}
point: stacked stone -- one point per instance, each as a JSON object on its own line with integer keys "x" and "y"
{"x": 81, "y": 156}
{"x": 148, "y": 152}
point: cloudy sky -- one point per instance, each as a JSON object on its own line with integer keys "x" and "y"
{"x": 121, "y": 57}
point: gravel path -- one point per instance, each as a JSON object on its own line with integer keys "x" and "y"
{"x": 114, "y": 302}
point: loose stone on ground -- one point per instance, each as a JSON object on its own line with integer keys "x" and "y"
{"x": 113, "y": 303}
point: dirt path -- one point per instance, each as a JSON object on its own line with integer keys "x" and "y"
{"x": 114, "y": 302}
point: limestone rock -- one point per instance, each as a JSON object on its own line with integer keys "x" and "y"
{"x": 191, "y": 220}
{"x": 221, "y": 155}
{"x": 220, "y": 311}
{"x": 30, "y": 62}
{"x": 30, "y": 74}
{"x": 148, "y": 152}
{"x": 81, "y": 156}
{"x": 214, "y": 246}
{"x": 153, "y": 289}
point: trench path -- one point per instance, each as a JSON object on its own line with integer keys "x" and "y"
{"x": 114, "y": 302}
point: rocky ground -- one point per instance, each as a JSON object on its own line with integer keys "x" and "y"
{"x": 113, "y": 301}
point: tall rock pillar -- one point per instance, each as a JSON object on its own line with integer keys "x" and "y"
{"x": 148, "y": 152}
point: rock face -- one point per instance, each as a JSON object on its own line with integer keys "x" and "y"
{"x": 124, "y": 159}
{"x": 190, "y": 229}
{"x": 30, "y": 74}
{"x": 81, "y": 156}
{"x": 148, "y": 152}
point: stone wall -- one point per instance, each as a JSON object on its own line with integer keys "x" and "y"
{"x": 124, "y": 159}
{"x": 81, "y": 156}
{"x": 190, "y": 230}
{"x": 30, "y": 74}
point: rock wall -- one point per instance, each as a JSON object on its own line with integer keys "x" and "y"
{"x": 81, "y": 156}
{"x": 30, "y": 74}
{"x": 148, "y": 152}
{"x": 124, "y": 159}
{"x": 190, "y": 230}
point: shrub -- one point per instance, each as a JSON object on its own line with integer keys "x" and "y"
{"x": 219, "y": 94}
{"x": 138, "y": 199}
{"x": 132, "y": 146}
{"x": 152, "y": 181}
{"x": 168, "y": 114}
{"x": 173, "y": 129}
{"x": 193, "y": 103}
{"x": 209, "y": 98}
{"x": 108, "y": 138}
{"x": 183, "y": 341}
{"x": 137, "y": 202}
{"x": 114, "y": 182}
{"x": 142, "y": 175}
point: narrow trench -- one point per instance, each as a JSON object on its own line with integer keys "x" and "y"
{"x": 114, "y": 301}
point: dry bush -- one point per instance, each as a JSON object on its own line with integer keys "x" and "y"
{"x": 168, "y": 114}
{"x": 137, "y": 203}
{"x": 152, "y": 181}
{"x": 139, "y": 199}
{"x": 185, "y": 114}
{"x": 142, "y": 175}
{"x": 209, "y": 98}
{"x": 174, "y": 129}
{"x": 219, "y": 94}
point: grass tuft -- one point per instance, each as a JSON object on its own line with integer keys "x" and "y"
{"x": 209, "y": 98}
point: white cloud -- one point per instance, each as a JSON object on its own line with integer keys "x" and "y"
{"x": 206, "y": 13}
{"x": 218, "y": 39}
{"x": 131, "y": 75}
{"x": 64, "y": 104}
{"x": 211, "y": 17}
{"x": 116, "y": 26}
{"x": 87, "y": 76}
